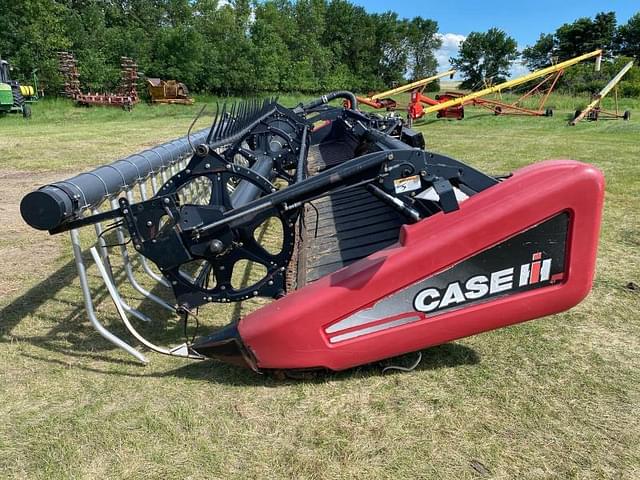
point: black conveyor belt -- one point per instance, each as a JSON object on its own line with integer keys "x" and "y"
{"x": 352, "y": 224}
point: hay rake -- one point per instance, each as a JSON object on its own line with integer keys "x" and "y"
{"x": 384, "y": 247}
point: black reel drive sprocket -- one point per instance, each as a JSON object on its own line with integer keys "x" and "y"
{"x": 214, "y": 266}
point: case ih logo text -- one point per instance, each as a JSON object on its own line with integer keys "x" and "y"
{"x": 480, "y": 286}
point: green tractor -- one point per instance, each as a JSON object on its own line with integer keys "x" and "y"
{"x": 14, "y": 98}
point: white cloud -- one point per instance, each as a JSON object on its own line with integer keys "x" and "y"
{"x": 518, "y": 69}
{"x": 449, "y": 48}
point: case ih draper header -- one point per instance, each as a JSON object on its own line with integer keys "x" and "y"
{"x": 385, "y": 248}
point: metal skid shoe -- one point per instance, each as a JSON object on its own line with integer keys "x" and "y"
{"x": 383, "y": 248}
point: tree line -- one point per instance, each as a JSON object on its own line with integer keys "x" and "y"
{"x": 619, "y": 42}
{"x": 488, "y": 56}
{"x": 242, "y": 47}
{"x": 221, "y": 47}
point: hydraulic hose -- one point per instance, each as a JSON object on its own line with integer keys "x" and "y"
{"x": 324, "y": 99}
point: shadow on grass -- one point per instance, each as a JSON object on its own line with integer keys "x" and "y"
{"x": 448, "y": 355}
{"x": 70, "y": 331}
{"x": 72, "y": 336}
{"x": 443, "y": 356}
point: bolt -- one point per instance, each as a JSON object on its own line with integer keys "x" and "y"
{"x": 270, "y": 282}
{"x": 125, "y": 211}
{"x": 166, "y": 200}
{"x": 207, "y": 165}
{"x": 390, "y": 156}
{"x": 149, "y": 223}
{"x": 423, "y": 173}
{"x": 216, "y": 246}
{"x": 223, "y": 287}
{"x": 174, "y": 282}
{"x": 255, "y": 293}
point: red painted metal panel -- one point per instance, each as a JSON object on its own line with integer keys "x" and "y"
{"x": 290, "y": 333}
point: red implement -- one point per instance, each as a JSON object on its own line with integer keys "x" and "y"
{"x": 523, "y": 249}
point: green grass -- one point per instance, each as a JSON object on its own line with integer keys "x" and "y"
{"x": 557, "y": 397}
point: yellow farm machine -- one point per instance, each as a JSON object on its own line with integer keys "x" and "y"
{"x": 168, "y": 91}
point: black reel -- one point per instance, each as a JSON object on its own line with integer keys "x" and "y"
{"x": 277, "y": 138}
{"x": 213, "y": 266}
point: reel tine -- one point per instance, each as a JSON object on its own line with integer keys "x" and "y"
{"x": 220, "y": 121}
{"x": 232, "y": 120}
{"x": 214, "y": 123}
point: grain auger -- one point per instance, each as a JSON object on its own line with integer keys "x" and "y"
{"x": 383, "y": 247}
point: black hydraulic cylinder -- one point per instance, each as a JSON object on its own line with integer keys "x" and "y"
{"x": 246, "y": 191}
{"x": 50, "y": 206}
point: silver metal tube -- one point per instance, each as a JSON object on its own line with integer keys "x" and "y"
{"x": 88, "y": 302}
{"x": 180, "y": 351}
{"x": 102, "y": 244}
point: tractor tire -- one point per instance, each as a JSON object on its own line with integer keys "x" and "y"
{"x": 626, "y": 115}
{"x": 26, "y": 110}
{"x": 18, "y": 99}
{"x": 548, "y": 112}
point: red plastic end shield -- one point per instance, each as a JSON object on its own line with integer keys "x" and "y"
{"x": 520, "y": 250}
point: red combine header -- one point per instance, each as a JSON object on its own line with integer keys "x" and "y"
{"x": 367, "y": 245}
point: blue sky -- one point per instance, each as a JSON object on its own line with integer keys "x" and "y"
{"x": 523, "y": 20}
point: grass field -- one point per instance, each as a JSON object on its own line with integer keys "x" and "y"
{"x": 557, "y": 397}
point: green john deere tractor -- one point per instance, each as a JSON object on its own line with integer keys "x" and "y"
{"x": 14, "y": 98}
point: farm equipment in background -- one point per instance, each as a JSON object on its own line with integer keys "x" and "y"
{"x": 451, "y": 104}
{"x": 14, "y": 97}
{"x": 368, "y": 245}
{"x": 168, "y": 91}
{"x": 594, "y": 111}
{"x": 125, "y": 97}
{"x": 383, "y": 100}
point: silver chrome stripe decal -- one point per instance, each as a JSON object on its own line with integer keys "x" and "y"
{"x": 375, "y": 328}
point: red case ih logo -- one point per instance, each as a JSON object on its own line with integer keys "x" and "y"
{"x": 480, "y": 286}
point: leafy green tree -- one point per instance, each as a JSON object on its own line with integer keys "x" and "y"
{"x": 485, "y": 56}
{"x": 348, "y": 35}
{"x": 272, "y": 60}
{"x": 540, "y": 54}
{"x": 585, "y": 35}
{"x": 31, "y": 33}
{"x": 227, "y": 47}
{"x": 390, "y": 51}
{"x": 422, "y": 41}
{"x": 628, "y": 38}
